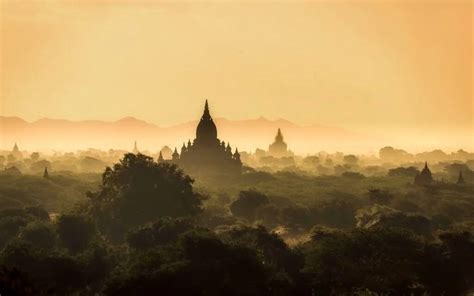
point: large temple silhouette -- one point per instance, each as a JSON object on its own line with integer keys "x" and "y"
{"x": 207, "y": 155}
{"x": 279, "y": 148}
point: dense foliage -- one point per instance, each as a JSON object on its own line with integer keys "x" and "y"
{"x": 137, "y": 190}
{"x": 148, "y": 229}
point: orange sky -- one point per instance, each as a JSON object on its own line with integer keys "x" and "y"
{"x": 401, "y": 67}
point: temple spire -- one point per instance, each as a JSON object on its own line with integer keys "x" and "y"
{"x": 206, "y": 114}
{"x": 135, "y": 148}
{"x": 175, "y": 155}
{"x": 279, "y": 136}
{"x": 160, "y": 158}
{"x": 460, "y": 179}
{"x": 46, "y": 174}
{"x": 206, "y": 130}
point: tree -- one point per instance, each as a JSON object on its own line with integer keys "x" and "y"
{"x": 15, "y": 282}
{"x": 337, "y": 263}
{"x": 53, "y": 272}
{"x": 448, "y": 266}
{"x": 295, "y": 217}
{"x": 389, "y": 154}
{"x": 380, "y": 196}
{"x": 75, "y": 231}
{"x": 338, "y": 212}
{"x": 383, "y": 216}
{"x": 197, "y": 263}
{"x": 160, "y": 232}
{"x": 91, "y": 164}
{"x": 35, "y": 156}
{"x": 350, "y": 159}
{"x": 37, "y": 213}
{"x": 353, "y": 175}
{"x": 138, "y": 190}
{"x": 282, "y": 263}
{"x": 9, "y": 228}
{"x": 247, "y": 204}
{"x": 39, "y": 234}
{"x": 12, "y": 220}
{"x": 405, "y": 172}
{"x": 311, "y": 162}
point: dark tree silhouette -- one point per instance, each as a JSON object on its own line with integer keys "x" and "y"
{"x": 282, "y": 264}
{"x": 402, "y": 171}
{"x": 448, "y": 267}
{"x": 138, "y": 190}
{"x": 160, "y": 232}
{"x": 380, "y": 196}
{"x": 75, "y": 231}
{"x": 247, "y": 204}
{"x": 197, "y": 263}
{"x": 40, "y": 234}
{"x": 15, "y": 283}
{"x": 381, "y": 260}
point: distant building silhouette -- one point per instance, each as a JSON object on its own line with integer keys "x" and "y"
{"x": 460, "y": 179}
{"x": 46, "y": 174}
{"x": 424, "y": 178}
{"x": 207, "y": 155}
{"x": 279, "y": 148}
{"x": 16, "y": 152}
{"x": 160, "y": 158}
{"x": 135, "y": 148}
{"x": 15, "y": 148}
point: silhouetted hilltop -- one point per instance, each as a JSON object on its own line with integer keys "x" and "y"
{"x": 247, "y": 135}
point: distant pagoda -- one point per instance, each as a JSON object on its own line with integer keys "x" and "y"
{"x": 135, "y": 148}
{"x": 45, "y": 173}
{"x": 425, "y": 177}
{"x": 207, "y": 155}
{"x": 460, "y": 179}
{"x": 16, "y": 152}
{"x": 15, "y": 149}
{"x": 278, "y": 148}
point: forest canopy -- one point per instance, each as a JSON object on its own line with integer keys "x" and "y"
{"x": 146, "y": 226}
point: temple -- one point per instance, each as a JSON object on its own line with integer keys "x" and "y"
{"x": 135, "y": 148}
{"x": 45, "y": 173}
{"x": 278, "y": 148}
{"x": 207, "y": 155}
{"x": 424, "y": 178}
{"x": 16, "y": 152}
{"x": 460, "y": 179}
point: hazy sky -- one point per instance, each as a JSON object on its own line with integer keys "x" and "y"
{"x": 363, "y": 65}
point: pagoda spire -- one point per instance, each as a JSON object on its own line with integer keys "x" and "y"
{"x": 175, "y": 155}
{"x": 279, "y": 136}
{"x": 135, "y": 148}
{"x": 206, "y": 115}
{"x": 160, "y": 158}
{"x": 46, "y": 174}
{"x": 206, "y": 131}
{"x": 460, "y": 179}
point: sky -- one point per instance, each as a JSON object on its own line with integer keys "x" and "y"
{"x": 402, "y": 68}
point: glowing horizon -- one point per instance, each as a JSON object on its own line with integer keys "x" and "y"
{"x": 400, "y": 69}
